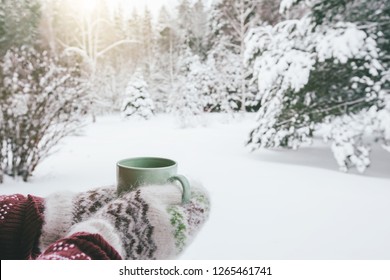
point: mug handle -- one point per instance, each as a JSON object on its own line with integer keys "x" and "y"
{"x": 185, "y": 185}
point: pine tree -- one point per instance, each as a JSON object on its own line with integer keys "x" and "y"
{"x": 184, "y": 16}
{"x": 187, "y": 102}
{"x": 230, "y": 23}
{"x": 19, "y": 22}
{"x": 224, "y": 79}
{"x": 198, "y": 29}
{"x": 148, "y": 43}
{"x": 268, "y": 11}
{"x": 165, "y": 74}
{"x": 134, "y": 32}
{"x": 138, "y": 102}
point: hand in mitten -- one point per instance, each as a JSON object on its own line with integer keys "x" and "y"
{"x": 149, "y": 223}
{"x": 64, "y": 209}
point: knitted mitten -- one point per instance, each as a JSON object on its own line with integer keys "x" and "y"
{"x": 21, "y": 220}
{"x": 149, "y": 223}
{"x": 64, "y": 209}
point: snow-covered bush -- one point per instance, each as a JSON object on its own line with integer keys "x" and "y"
{"x": 40, "y": 103}
{"x": 138, "y": 102}
{"x": 321, "y": 69}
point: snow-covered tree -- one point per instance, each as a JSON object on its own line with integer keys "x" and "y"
{"x": 223, "y": 80}
{"x": 186, "y": 101}
{"x": 164, "y": 75}
{"x": 268, "y": 11}
{"x": 138, "y": 102}
{"x": 230, "y": 21}
{"x": 41, "y": 102}
{"x": 148, "y": 43}
{"x": 91, "y": 33}
{"x": 198, "y": 29}
{"x": 19, "y": 22}
{"x": 184, "y": 18}
{"x": 111, "y": 86}
{"x": 325, "y": 68}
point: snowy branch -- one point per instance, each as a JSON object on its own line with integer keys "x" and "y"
{"x": 116, "y": 44}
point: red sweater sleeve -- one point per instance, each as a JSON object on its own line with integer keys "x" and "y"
{"x": 21, "y": 219}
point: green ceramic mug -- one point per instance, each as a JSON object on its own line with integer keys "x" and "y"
{"x": 135, "y": 172}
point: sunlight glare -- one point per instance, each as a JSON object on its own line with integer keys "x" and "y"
{"x": 87, "y": 6}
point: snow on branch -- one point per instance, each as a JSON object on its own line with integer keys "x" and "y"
{"x": 308, "y": 76}
{"x": 41, "y": 103}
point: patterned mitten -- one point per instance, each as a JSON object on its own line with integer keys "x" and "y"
{"x": 21, "y": 220}
{"x": 149, "y": 223}
{"x": 64, "y": 209}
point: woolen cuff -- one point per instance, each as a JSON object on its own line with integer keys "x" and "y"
{"x": 21, "y": 220}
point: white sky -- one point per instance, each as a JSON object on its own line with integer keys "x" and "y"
{"x": 126, "y": 6}
{"x": 154, "y": 5}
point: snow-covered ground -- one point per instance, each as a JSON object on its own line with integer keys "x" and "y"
{"x": 265, "y": 204}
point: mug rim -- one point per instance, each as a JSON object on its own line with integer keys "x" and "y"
{"x": 120, "y": 163}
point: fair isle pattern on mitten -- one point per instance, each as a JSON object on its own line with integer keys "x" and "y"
{"x": 21, "y": 220}
{"x": 151, "y": 222}
{"x": 176, "y": 224}
{"x": 127, "y": 212}
{"x": 188, "y": 218}
{"x": 80, "y": 246}
{"x": 64, "y": 209}
{"x": 87, "y": 203}
{"x": 125, "y": 225}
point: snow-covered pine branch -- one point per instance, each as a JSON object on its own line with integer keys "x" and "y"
{"x": 316, "y": 70}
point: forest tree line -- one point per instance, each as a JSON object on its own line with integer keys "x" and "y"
{"x": 301, "y": 65}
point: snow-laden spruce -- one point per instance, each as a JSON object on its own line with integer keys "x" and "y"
{"x": 138, "y": 102}
{"x": 317, "y": 70}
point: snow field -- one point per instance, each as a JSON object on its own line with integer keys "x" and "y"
{"x": 265, "y": 205}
